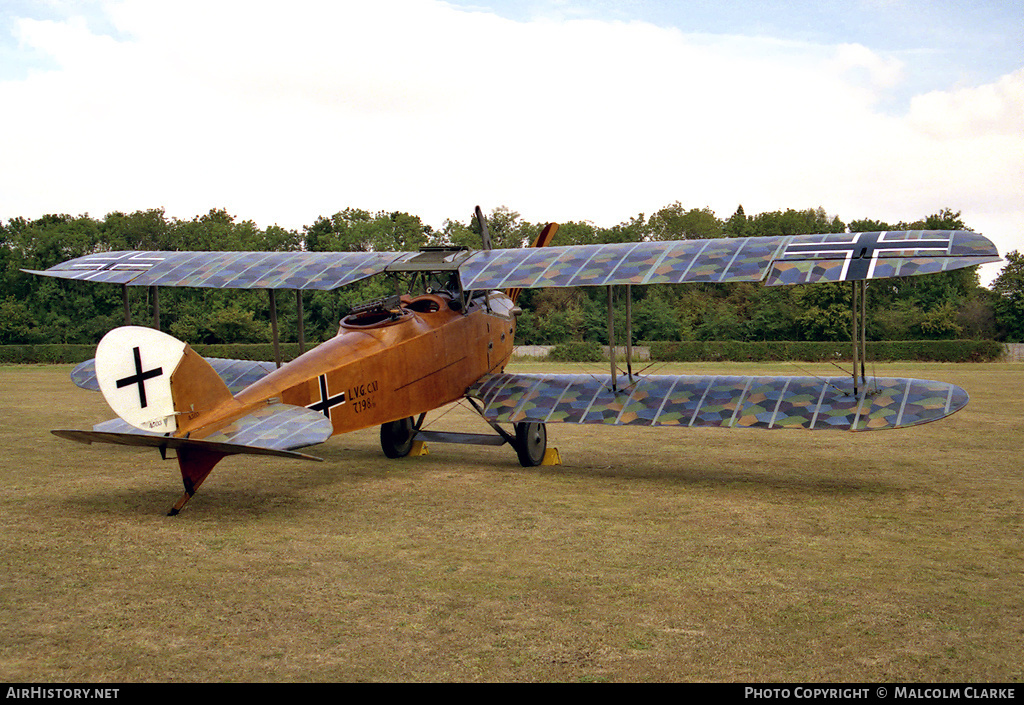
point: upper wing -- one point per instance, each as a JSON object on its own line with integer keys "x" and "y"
{"x": 226, "y": 270}
{"x": 812, "y": 403}
{"x": 790, "y": 259}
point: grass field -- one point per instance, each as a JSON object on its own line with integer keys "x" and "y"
{"x": 649, "y": 555}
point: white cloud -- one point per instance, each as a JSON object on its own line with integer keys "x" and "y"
{"x": 860, "y": 64}
{"x": 993, "y": 109}
{"x": 281, "y": 113}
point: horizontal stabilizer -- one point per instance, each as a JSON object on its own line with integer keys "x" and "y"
{"x": 277, "y": 429}
{"x": 813, "y": 403}
{"x": 237, "y": 374}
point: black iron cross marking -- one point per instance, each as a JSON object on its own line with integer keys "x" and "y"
{"x": 327, "y": 402}
{"x": 862, "y": 251}
{"x": 140, "y": 378}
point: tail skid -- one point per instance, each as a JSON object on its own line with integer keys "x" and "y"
{"x": 195, "y": 464}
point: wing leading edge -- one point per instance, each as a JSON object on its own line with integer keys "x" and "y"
{"x": 811, "y": 403}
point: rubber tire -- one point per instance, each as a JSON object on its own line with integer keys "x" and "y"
{"x": 531, "y": 443}
{"x": 396, "y": 437}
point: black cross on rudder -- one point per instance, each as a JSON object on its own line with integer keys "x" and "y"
{"x": 140, "y": 377}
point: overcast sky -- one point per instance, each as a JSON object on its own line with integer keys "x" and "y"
{"x": 559, "y": 109}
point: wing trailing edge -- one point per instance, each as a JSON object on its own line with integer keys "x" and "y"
{"x": 811, "y": 403}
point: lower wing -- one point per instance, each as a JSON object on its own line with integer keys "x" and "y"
{"x": 237, "y": 374}
{"x": 812, "y": 403}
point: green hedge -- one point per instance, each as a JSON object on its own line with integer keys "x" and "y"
{"x": 587, "y": 351}
{"x": 54, "y": 354}
{"x": 684, "y": 351}
{"x": 250, "y": 351}
{"x": 877, "y": 351}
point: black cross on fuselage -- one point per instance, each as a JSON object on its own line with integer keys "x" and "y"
{"x": 327, "y": 402}
{"x": 862, "y": 250}
{"x": 140, "y": 378}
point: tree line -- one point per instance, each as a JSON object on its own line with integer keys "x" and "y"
{"x": 35, "y": 309}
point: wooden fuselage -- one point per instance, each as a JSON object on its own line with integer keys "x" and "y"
{"x": 381, "y": 368}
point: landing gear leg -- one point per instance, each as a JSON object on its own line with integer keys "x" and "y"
{"x": 531, "y": 443}
{"x": 396, "y": 437}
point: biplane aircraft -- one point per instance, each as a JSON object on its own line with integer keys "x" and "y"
{"x": 447, "y": 334}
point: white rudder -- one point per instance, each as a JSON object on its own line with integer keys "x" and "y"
{"x": 133, "y": 369}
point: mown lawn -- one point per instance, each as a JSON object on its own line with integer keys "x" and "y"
{"x": 648, "y": 555}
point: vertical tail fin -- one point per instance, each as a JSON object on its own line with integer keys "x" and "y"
{"x": 155, "y": 382}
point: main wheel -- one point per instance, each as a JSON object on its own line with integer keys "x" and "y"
{"x": 396, "y": 437}
{"x": 531, "y": 442}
